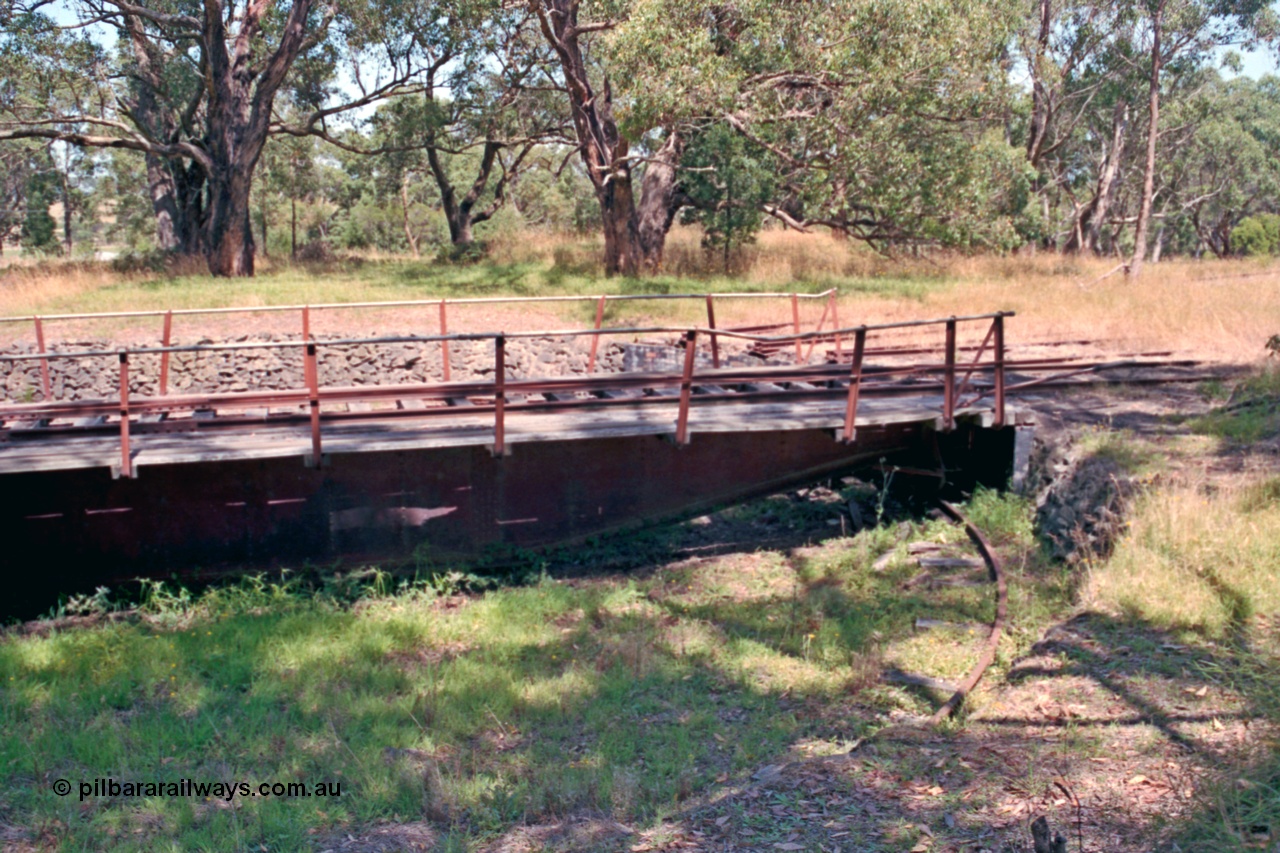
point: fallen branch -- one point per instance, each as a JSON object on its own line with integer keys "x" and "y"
{"x": 997, "y": 627}
{"x": 1107, "y": 274}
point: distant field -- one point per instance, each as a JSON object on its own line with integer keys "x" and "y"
{"x": 1219, "y": 310}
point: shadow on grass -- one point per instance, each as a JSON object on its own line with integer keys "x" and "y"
{"x": 704, "y": 703}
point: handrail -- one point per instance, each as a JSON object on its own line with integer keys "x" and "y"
{"x": 487, "y": 336}
{"x": 498, "y": 387}
{"x": 403, "y": 303}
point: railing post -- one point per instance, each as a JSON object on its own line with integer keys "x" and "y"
{"x": 165, "y": 341}
{"x": 312, "y": 372}
{"x": 444, "y": 345}
{"x": 44, "y": 362}
{"x": 835, "y": 323}
{"x": 595, "y": 339}
{"x": 711, "y": 324}
{"x": 998, "y": 328}
{"x": 499, "y": 395}
{"x": 855, "y": 385}
{"x": 126, "y": 462}
{"x": 822, "y": 321}
{"x": 949, "y": 387}
{"x": 306, "y": 322}
{"x": 686, "y": 386}
{"x": 795, "y": 321}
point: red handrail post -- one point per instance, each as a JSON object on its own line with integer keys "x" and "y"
{"x": 444, "y": 345}
{"x": 855, "y": 385}
{"x": 686, "y": 386}
{"x": 711, "y": 324}
{"x": 165, "y": 341}
{"x": 795, "y": 321}
{"x": 499, "y": 395}
{"x": 835, "y": 323}
{"x": 949, "y": 380}
{"x": 306, "y": 322}
{"x": 126, "y": 462}
{"x": 998, "y": 327}
{"x": 312, "y": 373}
{"x": 44, "y": 362}
{"x": 822, "y": 321}
{"x": 595, "y": 339}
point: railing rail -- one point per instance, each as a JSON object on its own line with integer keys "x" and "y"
{"x": 314, "y": 395}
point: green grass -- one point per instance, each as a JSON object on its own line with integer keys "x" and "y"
{"x": 621, "y": 696}
{"x": 358, "y": 280}
{"x": 1200, "y": 563}
{"x": 1251, "y": 412}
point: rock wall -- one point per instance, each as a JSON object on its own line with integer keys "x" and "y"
{"x": 98, "y": 377}
{"x": 1082, "y": 500}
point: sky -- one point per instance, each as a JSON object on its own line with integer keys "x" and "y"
{"x": 1258, "y": 64}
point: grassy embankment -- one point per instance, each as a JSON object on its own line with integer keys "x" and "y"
{"x": 646, "y": 697}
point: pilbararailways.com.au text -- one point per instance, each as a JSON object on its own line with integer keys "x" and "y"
{"x": 191, "y": 788}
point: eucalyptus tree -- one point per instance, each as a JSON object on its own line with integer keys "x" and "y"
{"x": 1220, "y": 160}
{"x": 20, "y": 163}
{"x": 869, "y": 113}
{"x": 1184, "y": 33}
{"x": 1080, "y": 64}
{"x": 192, "y": 87}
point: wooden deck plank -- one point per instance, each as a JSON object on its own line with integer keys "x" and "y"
{"x": 711, "y": 413}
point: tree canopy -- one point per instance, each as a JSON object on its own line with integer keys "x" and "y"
{"x": 1071, "y": 125}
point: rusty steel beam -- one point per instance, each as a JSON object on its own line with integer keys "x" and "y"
{"x": 795, "y": 322}
{"x": 312, "y": 374}
{"x": 595, "y": 340}
{"x": 444, "y": 344}
{"x": 91, "y": 529}
{"x": 166, "y": 339}
{"x": 997, "y": 326}
{"x": 711, "y": 324}
{"x": 949, "y": 378}
{"x": 499, "y": 395}
{"x": 855, "y": 387}
{"x": 686, "y": 388}
{"x": 126, "y": 458}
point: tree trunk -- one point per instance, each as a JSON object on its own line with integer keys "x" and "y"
{"x": 239, "y": 109}
{"x": 461, "y": 213}
{"x": 634, "y": 234}
{"x": 1039, "y": 128}
{"x": 189, "y": 181}
{"x": 164, "y": 203}
{"x": 266, "y": 246}
{"x": 66, "y": 211}
{"x": 410, "y": 237}
{"x": 172, "y": 235}
{"x": 658, "y": 207}
{"x": 1149, "y": 171}
{"x": 1087, "y": 234}
{"x": 229, "y": 238}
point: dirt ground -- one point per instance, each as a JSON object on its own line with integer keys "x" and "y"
{"x": 1106, "y": 729}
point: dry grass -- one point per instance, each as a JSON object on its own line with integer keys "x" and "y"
{"x": 1217, "y": 310}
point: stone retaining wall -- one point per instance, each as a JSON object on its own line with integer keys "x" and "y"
{"x": 97, "y": 377}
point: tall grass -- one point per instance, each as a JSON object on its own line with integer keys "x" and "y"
{"x": 1198, "y": 560}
